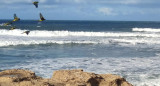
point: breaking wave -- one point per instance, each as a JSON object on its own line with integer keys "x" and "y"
{"x": 146, "y": 30}
{"x": 15, "y": 37}
{"x": 133, "y": 69}
{"x": 45, "y": 33}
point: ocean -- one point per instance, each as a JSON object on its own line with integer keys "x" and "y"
{"x": 130, "y": 49}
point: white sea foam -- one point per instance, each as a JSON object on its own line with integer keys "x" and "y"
{"x": 44, "y": 33}
{"x": 15, "y": 37}
{"x": 146, "y": 29}
{"x": 138, "y": 71}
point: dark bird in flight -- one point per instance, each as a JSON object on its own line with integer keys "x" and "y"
{"x": 36, "y": 3}
{"x": 26, "y": 32}
{"x": 41, "y": 17}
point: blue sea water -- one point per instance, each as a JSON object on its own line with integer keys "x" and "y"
{"x": 130, "y": 49}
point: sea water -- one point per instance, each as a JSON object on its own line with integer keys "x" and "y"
{"x": 129, "y": 49}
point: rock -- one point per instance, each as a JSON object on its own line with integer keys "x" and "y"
{"x": 113, "y": 80}
{"x": 73, "y": 77}
{"x": 18, "y": 77}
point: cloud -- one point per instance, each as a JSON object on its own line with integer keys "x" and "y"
{"x": 83, "y": 9}
{"x": 130, "y": 1}
{"x": 106, "y": 11}
{"x": 124, "y": 1}
{"x": 14, "y": 1}
{"x": 146, "y": 3}
{"x": 19, "y": 1}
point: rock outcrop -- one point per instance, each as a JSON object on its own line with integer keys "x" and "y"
{"x": 18, "y": 77}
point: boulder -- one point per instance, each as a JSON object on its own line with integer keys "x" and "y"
{"x": 80, "y": 78}
{"x": 19, "y": 77}
{"x": 113, "y": 80}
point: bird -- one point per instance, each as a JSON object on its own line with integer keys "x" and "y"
{"x": 16, "y": 18}
{"x": 27, "y": 32}
{"x": 41, "y": 17}
{"x": 36, "y": 3}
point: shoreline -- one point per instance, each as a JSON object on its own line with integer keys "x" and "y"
{"x": 77, "y": 77}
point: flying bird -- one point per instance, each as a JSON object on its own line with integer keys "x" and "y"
{"x": 41, "y": 17}
{"x": 16, "y": 18}
{"x": 36, "y": 3}
{"x": 26, "y": 32}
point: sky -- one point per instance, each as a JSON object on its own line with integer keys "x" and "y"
{"x": 120, "y": 10}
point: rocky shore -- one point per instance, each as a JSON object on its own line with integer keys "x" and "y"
{"x": 19, "y": 77}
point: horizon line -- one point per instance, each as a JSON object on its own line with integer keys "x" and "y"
{"x": 87, "y": 20}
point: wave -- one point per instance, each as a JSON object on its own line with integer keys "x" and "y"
{"x": 45, "y": 33}
{"x": 133, "y": 69}
{"x": 146, "y": 30}
{"x": 15, "y": 37}
{"x": 7, "y": 41}
{"x": 13, "y": 43}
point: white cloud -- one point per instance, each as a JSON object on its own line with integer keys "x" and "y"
{"x": 49, "y": 6}
{"x": 71, "y": 1}
{"x": 126, "y": 2}
{"x": 106, "y": 11}
{"x": 42, "y": 1}
{"x": 79, "y": 1}
{"x": 20, "y": 1}
{"x": 14, "y": 1}
{"x": 130, "y": 1}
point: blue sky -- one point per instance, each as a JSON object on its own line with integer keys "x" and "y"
{"x": 122, "y": 10}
